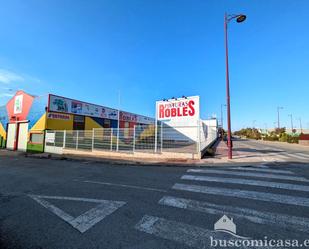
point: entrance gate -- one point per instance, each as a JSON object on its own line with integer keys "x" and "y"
{"x": 11, "y": 136}
{"x": 17, "y": 136}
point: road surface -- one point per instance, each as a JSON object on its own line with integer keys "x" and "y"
{"x": 81, "y": 204}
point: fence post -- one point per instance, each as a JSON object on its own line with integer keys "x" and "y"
{"x": 156, "y": 136}
{"x": 77, "y": 139}
{"x": 117, "y": 142}
{"x": 111, "y": 139}
{"x": 134, "y": 139}
{"x": 161, "y": 137}
{"x": 92, "y": 141}
{"x": 64, "y": 138}
{"x": 199, "y": 136}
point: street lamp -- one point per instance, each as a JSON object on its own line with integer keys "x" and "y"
{"x": 253, "y": 123}
{"x": 301, "y": 126}
{"x": 278, "y": 110}
{"x": 227, "y": 18}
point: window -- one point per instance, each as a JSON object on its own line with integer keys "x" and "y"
{"x": 36, "y": 138}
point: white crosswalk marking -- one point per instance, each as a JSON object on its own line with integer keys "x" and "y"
{"x": 296, "y": 156}
{"x": 302, "y": 154}
{"x": 284, "y": 221}
{"x": 251, "y": 174}
{"x": 281, "y": 157}
{"x": 189, "y": 235}
{"x": 247, "y": 182}
{"x": 238, "y": 193}
{"x": 263, "y": 170}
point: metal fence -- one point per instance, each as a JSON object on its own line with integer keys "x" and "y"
{"x": 137, "y": 139}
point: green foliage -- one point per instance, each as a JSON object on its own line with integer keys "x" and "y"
{"x": 35, "y": 148}
{"x": 249, "y": 133}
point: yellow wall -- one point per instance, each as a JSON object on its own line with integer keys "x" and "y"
{"x": 90, "y": 124}
{"x": 2, "y": 131}
{"x": 60, "y": 124}
{"x": 40, "y": 125}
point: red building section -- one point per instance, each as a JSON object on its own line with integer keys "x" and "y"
{"x": 19, "y": 106}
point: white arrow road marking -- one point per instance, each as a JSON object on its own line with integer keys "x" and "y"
{"x": 86, "y": 220}
{"x": 238, "y": 193}
{"x": 250, "y": 182}
{"x": 268, "y": 218}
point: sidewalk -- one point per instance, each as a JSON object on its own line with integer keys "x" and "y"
{"x": 241, "y": 154}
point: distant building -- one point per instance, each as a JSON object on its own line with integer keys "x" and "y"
{"x": 304, "y": 139}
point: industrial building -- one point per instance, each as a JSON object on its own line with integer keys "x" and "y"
{"x": 25, "y": 118}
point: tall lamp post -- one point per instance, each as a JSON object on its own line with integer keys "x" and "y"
{"x": 227, "y": 18}
{"x": 300, "y": 125}
{"x": 278, "y": 111}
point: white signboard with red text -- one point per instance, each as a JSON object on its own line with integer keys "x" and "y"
{"x": 182, "y": 111}
{"x": 181, "y": 114}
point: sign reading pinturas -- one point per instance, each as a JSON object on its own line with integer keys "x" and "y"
{"x": 182, "y": 111}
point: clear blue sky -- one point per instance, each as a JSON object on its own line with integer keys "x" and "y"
{"x": 154, "y": 49}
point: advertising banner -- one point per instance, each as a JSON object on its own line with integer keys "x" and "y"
{"x": 18, "y": 104}
{"x": 65, "y": 105}
{"x": 179, "y": 112}
{"x": 60, "y": 116}
{"x": 182, "y": 115}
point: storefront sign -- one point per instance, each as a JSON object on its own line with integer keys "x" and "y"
{"x": 183, "y": 110}
{"x": 126, "y": 116}
{"x": 58, "y": 116}
{"x": 65, "y": 105}
{"x": 50, "y": 137}
{"x": 18, "y": 104}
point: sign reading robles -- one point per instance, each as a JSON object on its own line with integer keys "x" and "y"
{"x": 181, "y": 110}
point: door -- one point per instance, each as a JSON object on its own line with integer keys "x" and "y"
{"x": 11, "y": 137}
{"x": 22, "y": 136}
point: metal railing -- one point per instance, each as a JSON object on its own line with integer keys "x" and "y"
{"x": 183, "y": 139}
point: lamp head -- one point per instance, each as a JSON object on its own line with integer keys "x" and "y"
{"x": 241, "y": 18}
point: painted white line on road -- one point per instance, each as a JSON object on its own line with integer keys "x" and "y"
{"x": 263, "y": 165}
{"x": 264, "y": 170}
{"x": 296, "y": 156}
{"x": 273, "y": 219}
{"x": 282, "y": 156}
{"x": 249, "y": 174}
{"x": 302, "y": 154}
{"x": 125, "y": 186}
{"x": 86, "y": 220}
{"x": 238, "y": 193}
{"x": 176, "y": 231}
{"x": 250, "y": 182}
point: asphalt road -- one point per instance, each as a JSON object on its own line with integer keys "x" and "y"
{"x": 59, "y": 204}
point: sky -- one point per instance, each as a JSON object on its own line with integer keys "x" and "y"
{"x": 148, "y": 50}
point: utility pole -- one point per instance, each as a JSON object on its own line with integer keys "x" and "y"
{"x": 291, "y": 116}
{"x": 301, "y": 126}
{"x": 278, "y": 110}
{"x": 253, "y": 123}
